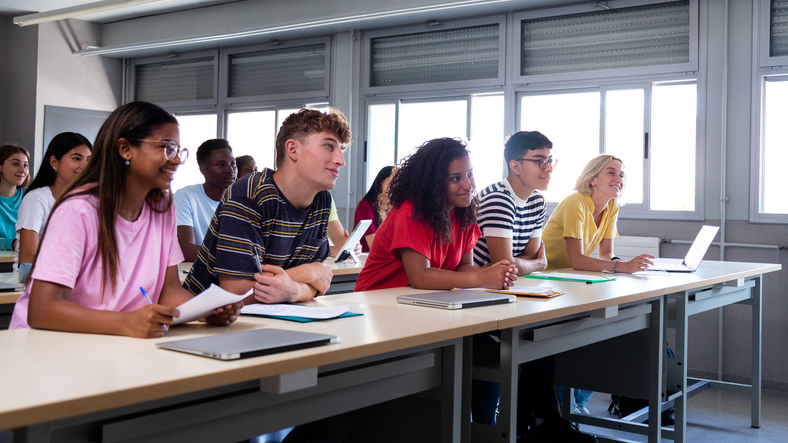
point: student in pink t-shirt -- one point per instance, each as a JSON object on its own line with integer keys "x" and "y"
{"x": 112, "y": 233}
{"x": 428, "y": 237}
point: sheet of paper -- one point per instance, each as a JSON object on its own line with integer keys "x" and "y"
{"x": 202, "y": 305}
{"x": 288, "y": 310}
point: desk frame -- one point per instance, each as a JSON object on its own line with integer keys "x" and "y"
{"x": 530, "y": 342}
{"x": 678, "y": 307}
{"x": 245, "y": 410}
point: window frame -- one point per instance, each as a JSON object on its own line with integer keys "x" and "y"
{"x": 307, "y": 96}
{"x": 763, "y": 37}
{"x": 601, "y": 74}
{"x": 179, "y": 105}
{"x": 366, "y": 48}
{"x": 637, "y": 211}
{"x": 756, "y": 148}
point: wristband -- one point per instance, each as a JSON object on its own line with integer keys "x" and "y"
{"x": 615, "y": 258}
{"x": 615, "y": 265}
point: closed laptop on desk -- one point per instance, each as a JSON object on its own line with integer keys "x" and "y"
{"x": 456, "y": 299}
{"x": 235, "y": 345}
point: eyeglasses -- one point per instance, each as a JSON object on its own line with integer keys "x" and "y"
{"x": 543, "y": 162}
{"x": 171, "y": 149}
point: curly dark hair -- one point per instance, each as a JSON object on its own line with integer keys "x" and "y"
{"x": 421, "y": 179}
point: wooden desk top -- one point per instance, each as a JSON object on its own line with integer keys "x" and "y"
{"x": 99, "y": 372}
{"x": 582, "y": 297}
{"x": 6, "y": 256}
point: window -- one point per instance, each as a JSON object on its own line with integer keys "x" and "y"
{"x": 460, "y": 53}
{"x": 603, "y": 41}
{"x": 194, "y": 130}
{"x": 254, "y": 133}
{"x": 188, "y": 79}
{"x": 650, "y": 127}
{"x": 396, "y": 129}
{"x": 772, "y": 205}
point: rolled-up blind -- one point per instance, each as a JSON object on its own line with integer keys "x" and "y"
{"x": 620, "y": 38}
{"x": 436, "y": 56}
{"x": 278, "y": 71}
{"x": 778, "y": 41}
{"x": 174, "y": 81}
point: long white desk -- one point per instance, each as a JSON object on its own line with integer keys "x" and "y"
{"x": 65, "y": 383}
{"x": 630, "y": 316}
{"x": 61, "y": 385}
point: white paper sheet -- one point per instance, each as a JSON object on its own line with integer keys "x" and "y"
{"x": 288, "y": 310}
{"x": 202, "y": 305}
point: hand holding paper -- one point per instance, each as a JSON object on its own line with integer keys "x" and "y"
{"x": 203, "y": 305}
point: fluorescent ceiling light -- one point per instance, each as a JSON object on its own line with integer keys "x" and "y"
{"x": 75, "y": 11}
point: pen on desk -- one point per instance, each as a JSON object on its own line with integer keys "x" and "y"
{"x": 150, "y": 302}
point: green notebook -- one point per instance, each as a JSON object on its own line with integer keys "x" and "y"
{"x": 563, "y": 276}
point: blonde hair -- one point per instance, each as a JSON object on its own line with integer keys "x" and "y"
{"x": 592, "y": 169}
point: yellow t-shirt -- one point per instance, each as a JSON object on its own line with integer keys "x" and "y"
{"x": 333, "y": 214}
{"x": 574, "y": 217}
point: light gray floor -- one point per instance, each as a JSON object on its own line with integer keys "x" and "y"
{"x": 715, "y": 416}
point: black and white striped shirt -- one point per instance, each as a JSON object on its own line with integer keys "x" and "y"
{"x": 503, "y": 214}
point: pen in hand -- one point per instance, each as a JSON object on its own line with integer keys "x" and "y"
{"x": 150, "y": 302}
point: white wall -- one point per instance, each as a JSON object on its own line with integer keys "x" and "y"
{"x": 73, "y": 81}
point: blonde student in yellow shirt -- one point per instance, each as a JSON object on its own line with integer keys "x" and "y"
{"x": 587, "y": 219}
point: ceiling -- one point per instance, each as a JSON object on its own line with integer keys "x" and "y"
{"x": 120, "y": 9}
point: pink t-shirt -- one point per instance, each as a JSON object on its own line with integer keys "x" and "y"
{"x": 69, "y": 257}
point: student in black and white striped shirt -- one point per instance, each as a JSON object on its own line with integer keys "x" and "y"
{"x": 511, "y": 212}
{"x": 511, "y": 217}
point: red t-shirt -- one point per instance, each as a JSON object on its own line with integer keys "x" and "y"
{"x": 365, "y": 211}
{"x": 384, "y": 268}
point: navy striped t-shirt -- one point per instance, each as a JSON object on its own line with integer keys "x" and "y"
{"x": 255, "y": 224}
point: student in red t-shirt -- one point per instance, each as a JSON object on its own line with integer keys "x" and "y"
{"x": 428, "y": 237}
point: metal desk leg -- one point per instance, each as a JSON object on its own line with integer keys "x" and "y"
{"x": 507, "y": 406}
{"x": 656, "y": 396}
{"x": 452, "y": 390}
{"x": 677, "y": 367}
{"x": 757, "y": 324}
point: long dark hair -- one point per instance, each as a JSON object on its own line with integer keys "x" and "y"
{"x": 375, "y": 190}
{"x": 421, "y": 180}
{"x": 105, "y": 176}
{"x": 59, "y": 146}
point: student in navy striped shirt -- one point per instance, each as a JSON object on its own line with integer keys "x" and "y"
{"x": 511, "y": 217}
{"x": 269, "y": 232}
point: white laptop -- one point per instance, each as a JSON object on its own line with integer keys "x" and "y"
{"x": 351, "y": 242}
{"x": 245, "y": 344}
{"x": 457, "y": 299}
{"x": 694, "y": 255}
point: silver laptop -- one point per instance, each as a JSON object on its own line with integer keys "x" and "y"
{"x": 456, "y": 299}
{"x": 11, "y": 287}
{"x": 694, "y": 255}
{"x": 235, "y": 345}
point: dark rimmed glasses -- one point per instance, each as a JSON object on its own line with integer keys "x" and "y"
{"x": 543, "y": 162}
{"x": 171, "y": 149}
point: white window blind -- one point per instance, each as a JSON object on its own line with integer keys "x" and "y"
{"x": 649, "y": 35}
{"x": 175, "y": 81}
{"x": 437, "y": 56}
{"x": 778, "y": 43}
{"x": 278, "y": 71}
